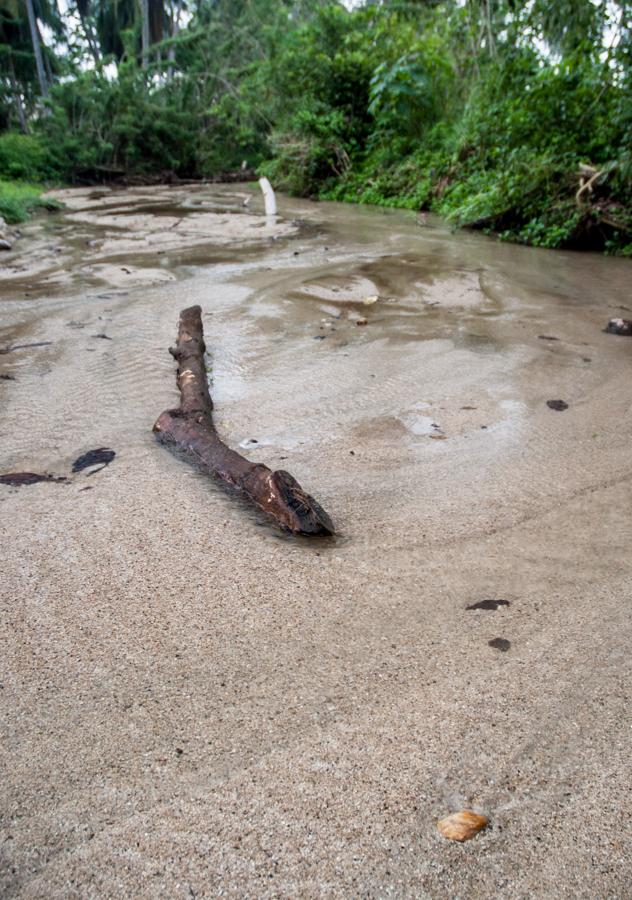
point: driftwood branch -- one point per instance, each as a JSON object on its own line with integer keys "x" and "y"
{"x": 619, "y": 326}
{"x": 586, "y": 182}
{"x": 191, "y": 429}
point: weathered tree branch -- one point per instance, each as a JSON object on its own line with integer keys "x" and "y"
{"x": 191, "y": 429}
{"x": 619, "y": 326}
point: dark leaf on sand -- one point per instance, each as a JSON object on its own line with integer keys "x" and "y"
{"x": 102, "y": 457}
{"x": 18, "y": 479}
{"x": 488, "y": 604}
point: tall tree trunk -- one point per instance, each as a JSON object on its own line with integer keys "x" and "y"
{"x": 17, "y": 97}
{"x": 174, "y": 28}
{"x": 88, "y": 32}
{"x": 45, "y": 56}
{"x": 37, "y": 49}
{"x": 491, "y": 43}
{"x": 144, "y": 12}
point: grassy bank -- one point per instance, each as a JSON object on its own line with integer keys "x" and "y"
{"x": 18, "y": 199}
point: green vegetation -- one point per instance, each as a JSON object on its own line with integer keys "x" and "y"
{"x": 18, "y": 199}
{"x": 514, "y": 117}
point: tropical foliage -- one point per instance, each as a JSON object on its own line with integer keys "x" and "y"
{"x": 511, "y": 116}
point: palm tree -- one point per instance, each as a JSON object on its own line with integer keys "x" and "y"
{"x": 84, "y": 9}
{"x": 37, "y": 48}
{"x": 145, "y": 32}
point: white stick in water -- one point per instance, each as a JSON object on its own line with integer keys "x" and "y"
{"x": 268, "y": 197}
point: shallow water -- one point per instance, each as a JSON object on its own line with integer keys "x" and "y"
{"x": 345, "y": 342}
{"x": 194, "y": 702}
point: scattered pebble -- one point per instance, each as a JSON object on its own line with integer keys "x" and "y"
{"x": 462, "y": 826}
{"x": 7, "y": 377}
{"x": 361, "y": 321}
{"x": 547, "y": 337}
{"x": 102, "y": 336}
{"x": 559, "y": 405}
{"x": 501, "y": 644}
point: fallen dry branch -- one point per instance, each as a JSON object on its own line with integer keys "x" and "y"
{"x": 191, "y": 429}
{"x": 619, "y": 326}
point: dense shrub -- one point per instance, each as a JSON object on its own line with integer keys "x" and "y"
{"x": 515, "y": 118}
{"x": 23, "y": 156}
{"x": 18, "y": 199}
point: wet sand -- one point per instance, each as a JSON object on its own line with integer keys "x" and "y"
{"x": 195, "y": 705}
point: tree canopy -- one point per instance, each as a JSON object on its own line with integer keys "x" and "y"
{"x": 507, "y": 115}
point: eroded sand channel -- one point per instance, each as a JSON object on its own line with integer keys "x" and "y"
{"x": 193, "y": 705}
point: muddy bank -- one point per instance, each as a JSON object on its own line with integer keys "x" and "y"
{"x": 193, "y": 703}
{"x": 132, "y": 238}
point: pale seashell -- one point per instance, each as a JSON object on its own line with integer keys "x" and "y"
{"x": 462, "y": 826}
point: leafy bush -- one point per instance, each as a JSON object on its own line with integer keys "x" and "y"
{"x": 23, "y": 156}
{"x": 18, "y": 199}
{"x": 490, "y": 114}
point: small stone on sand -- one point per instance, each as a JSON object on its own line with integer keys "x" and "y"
{"x": 559, "y": 405}
{"x": 501, "y": 644}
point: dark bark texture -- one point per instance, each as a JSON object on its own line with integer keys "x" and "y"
{"x": 619, "y": 326}
{"x": 191, "y": 429}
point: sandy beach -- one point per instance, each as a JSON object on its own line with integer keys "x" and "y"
{"x": 196, "y": 705}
